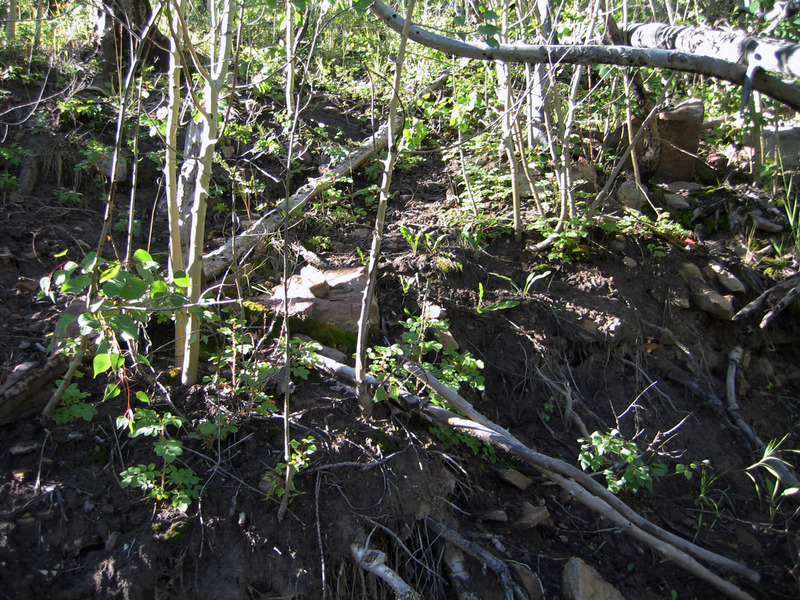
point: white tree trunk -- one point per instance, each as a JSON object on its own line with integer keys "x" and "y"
{"x": 222, "y": 26}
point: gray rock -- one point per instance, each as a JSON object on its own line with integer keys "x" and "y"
{"x": 580, "y": 581}
{"x": 631, "y": 195}
{"x": 703, "y": 296}
{"x": 727, "y": 279}
{"x": 677, "y": 201}
{"x": 338, "y": 312}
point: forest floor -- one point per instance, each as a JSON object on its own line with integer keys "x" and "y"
{"x": 611, "y": 333}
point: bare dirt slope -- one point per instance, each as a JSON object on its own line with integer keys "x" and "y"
{"x": 612, "y": 336}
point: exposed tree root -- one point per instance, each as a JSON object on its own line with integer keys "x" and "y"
{"x": 577, "y": 483}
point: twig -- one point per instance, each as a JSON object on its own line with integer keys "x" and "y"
{"x": 374, "y": 561}
{"x": 581, "y": 485}
{"x": 486, "y": 557}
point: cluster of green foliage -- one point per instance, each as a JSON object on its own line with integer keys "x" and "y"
{"x": 420, "y": 345}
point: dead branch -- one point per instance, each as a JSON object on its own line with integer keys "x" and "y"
{"x": 594, "y": 55}
{"x": 374, "y": 561}
{"x": 792, "y": 284}
{"x": 484, "y": 556}
{"x": 583, "y": 487}
{"x": 256, "y": 236}
{"x": 784, "y": 472}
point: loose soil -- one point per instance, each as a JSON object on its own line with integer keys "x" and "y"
{"x": 620, "y": 343}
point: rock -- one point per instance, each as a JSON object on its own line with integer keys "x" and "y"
{"x": 677, "y": 201}
{"x": 765, "y": 224}
{"x": 332, "y": 320}
{"x": 618, "y": 243}
{"x": 682, "y": 187}
{"x": 530, "y": 581}
{"x": 103, "y": 164}
{"x": 680, "y": 131}
{"x": 580, "y": 581}
{"x": 496, "y": 516}
{"x": 531, "y": 516}
{"x": 629, "y": 262}
{"x": 703, "y": 296}
{"x": 515, "y": 478}
{"x": 631, "y": 195}
{"x": 787, "y": 139}
{"x": 315, "y": 280}
{"x": 727, "y": 279}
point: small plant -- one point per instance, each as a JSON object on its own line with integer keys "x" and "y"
{"x": 620, "y": 461}
{"x": 180, "y": 486}
{"x": 74, "y": 407}
{"x": 217, "y": 430}
{"x": 240, "y": 369}
{"x": 452, "y": 368}
{"x": 412, "y": 238}
{"x": 525, "y": 289}
{"x": 710, "y": 498}
{"x": 547, "y": 410}
{"x": 70, "y": 197}
{"x": 299, "y": 458}
{"x": 773, "y": 487}
{"x": 122, "y": 226}
{"x": 482, "y": 308}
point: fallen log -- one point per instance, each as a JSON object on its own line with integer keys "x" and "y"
{"x": 256, "y": 236}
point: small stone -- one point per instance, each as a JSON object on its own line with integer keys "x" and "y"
{"x": 516, "y": 478}
{"x": 618, "y": 243}
{"x": 727, "y": 279}
{"x": 629, "y": 262}
{"x": 677, "y": 201}
{"x": 531, "y": 516}
{"x": 530, "y": 581}
{"x": 21, "y": 475}
{"x": 580, "y": 581}
{"x": 631, "y": 195}
{"x": 714, "y": 303}
{"x": 496, "y": 516}
{"x": 24, "y": 447}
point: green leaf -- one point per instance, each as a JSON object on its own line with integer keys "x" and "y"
{"x": 125, "y": 327}
{"x": 76, "y": 285}
{"x": 88, "y": 324}
{"x": 101, "y": 363}
{"x": 112, "y": 391}
{"x": 143, "y": 397}
{"x": 125, "y": 286}
{"x": 181, "y": 279}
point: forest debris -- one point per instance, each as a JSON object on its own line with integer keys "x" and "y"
{"x": 530, "y": 581}
{"x": 374, "y": 561}
{"x": 792, "y": 284}
{"x": 496, "y": 516}
{"x": 30, "y": 389}
{"x": 459, "y": 573}
{"x": 484, "y": 556}
{"x": 574, "y": 481}
{"x": 531, "y": 516}
{"x": 782, "y": 470}
{"x": 256, "y": 236}
{"x": 580, "y": 581}
{"x": 515, "y": 478}
{"x": 703, "y": 296}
